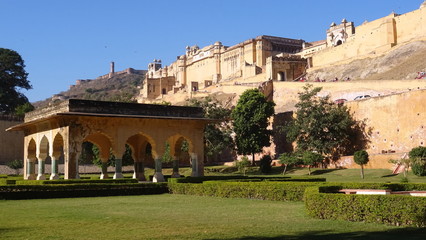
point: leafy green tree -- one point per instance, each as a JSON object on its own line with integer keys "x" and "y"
{"x": 217, "y": 135}
{"x": 361, "y": 158}
{"x": 127, "y": 158}
{"x": 324, "y": 127}
{"x": 289, "y": 159}
{"x": 265, "y": 164}
{"x": 311, "y": 158}
{"x": 167, "y": 156}
{"x": 24, "y": 108}
{"x": 12, "y": 78}
{"x": 251, "y": 119}
{"x": 418, "y": 160}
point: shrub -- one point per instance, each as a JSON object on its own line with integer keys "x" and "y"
{"x": 388, "y": 209}
{"x": 16, "y": 164}
{"x": 418, "y": 158}
{"x": 242, "y": 164}
{"x": 276, "y": 191}
{"x": 265, "y": 164}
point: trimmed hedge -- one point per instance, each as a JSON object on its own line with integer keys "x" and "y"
{"x": 323, "y": 202}
{"x": 80, "y": 190}
{"x": 244, "y": 179}
{"x": 75, "y": 181}
{"x": 277, "y": 191}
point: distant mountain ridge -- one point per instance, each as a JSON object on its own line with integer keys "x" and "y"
{"x": 121, "y": 86}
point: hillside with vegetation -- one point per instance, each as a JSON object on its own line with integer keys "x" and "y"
{"x": 121, "y": 87}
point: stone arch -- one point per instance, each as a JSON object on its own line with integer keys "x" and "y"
{"x": 32, "y": 150}
{"x": 43, "y": 148}
{"x": 140, "y": 143}
{"x": 281, "y": 76}
{"x": 182, "y": 156}
{"x": 42, "y": 156}
{"x": 57, "y": 145}
{"x": 102, "y": 141}
{"x": 56, "y": 154}
{"x": 31, "y": 160}
{"x": 173, "y": 140}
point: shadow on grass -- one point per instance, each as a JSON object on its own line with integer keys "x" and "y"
{"x": 322, "y": 171}
{"x": 390, "y": 175}
{"x": 402, "y": 233}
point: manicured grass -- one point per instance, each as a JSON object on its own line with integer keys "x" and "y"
{"x": 178, "y": 217}
{"x": 338, "y": 175}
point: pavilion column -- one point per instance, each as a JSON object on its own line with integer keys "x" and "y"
{"x": 175, "y": 173}
{"x": 118, "y": 169}
{"x": 139, "y": 172}
{"x": 41, "y": 167}
{"x": 54, "y": 175}
{"x": 158, "y": 176}
{"x": 77, "y": 169}
{"x": 30, "y": 169}
{"x": 194, "y": 165}
{"x": 104, "y": 169}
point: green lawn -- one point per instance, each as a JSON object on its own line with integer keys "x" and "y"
{"x": 178, "y": 217}
{"x": 331, "y": 174}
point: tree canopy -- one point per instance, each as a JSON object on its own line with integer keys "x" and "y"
{"x": 361, "y": 158}
{"x": 12, "y": 78}
{"x": 250, "y": 116}
{"x": 217, "y": 135}
{"x": 322, "y": 126}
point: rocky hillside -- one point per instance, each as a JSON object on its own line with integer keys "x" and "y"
{"x": 122, "y": 87}
{"x": 403, "y": 62}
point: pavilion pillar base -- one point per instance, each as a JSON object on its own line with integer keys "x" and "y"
{"x": 54, "y": 176}
{"x": 158, "y": 177}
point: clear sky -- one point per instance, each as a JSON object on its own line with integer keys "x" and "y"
{"x": 65, "y": 40}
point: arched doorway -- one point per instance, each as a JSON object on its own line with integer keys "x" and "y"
{"x": 57, "y": 156}
{"x": 281, "y": 76}
{"x": 96, "y": 149}
{"x": 42, "y": 155}
{"x": 31, "y": 160}
{"x": 143, "y": 154}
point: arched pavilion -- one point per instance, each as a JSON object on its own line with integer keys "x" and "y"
{"x": 59, "y": 131}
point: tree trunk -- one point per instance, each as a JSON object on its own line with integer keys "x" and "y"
{"x": 285, "y": 169}
{"x": 309, "y": 169}
{"x": 252, "y": 161}
{"x": 362, "y": 171}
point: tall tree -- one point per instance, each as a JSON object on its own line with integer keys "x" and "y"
{"x": 217, "y": 135}
{"x": 321, "y": 126}
{"x": 12, "y": 78}
{"x": 251, "y": 119}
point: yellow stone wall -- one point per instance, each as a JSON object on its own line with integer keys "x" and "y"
{"x": 398, "y": 122}
{"x": 374, "y": 38}
{"x": 11, "y": 143}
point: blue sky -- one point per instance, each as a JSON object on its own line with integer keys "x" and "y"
{"x": 65, "y": 40}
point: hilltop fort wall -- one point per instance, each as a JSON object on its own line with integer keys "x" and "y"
{"x": 370, "y": 39}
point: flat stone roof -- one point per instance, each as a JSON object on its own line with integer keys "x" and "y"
{"x": 115, "y": 109}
